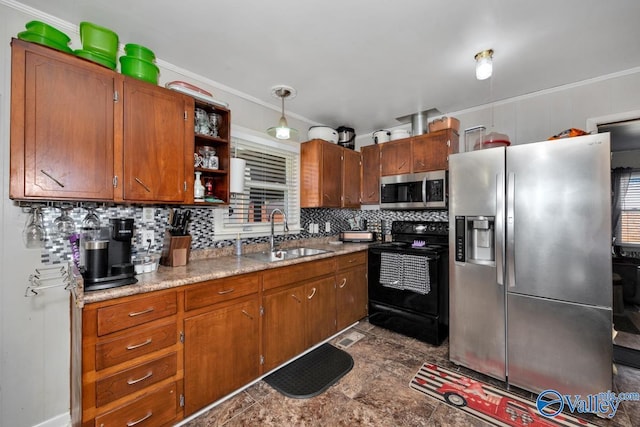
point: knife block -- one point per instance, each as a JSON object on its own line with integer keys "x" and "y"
{"x": 175, "y": 250}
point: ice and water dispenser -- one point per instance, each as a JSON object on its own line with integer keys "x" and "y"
{"x": 475, "y": 239}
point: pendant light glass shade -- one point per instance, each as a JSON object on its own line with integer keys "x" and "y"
{"x": 484, "y": 64}
{"x": 282, "y": 131}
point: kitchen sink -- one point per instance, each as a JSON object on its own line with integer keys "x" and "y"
{"x": 285, "y": 254}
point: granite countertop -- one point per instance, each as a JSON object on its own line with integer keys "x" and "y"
{"x": 214, "y": 264}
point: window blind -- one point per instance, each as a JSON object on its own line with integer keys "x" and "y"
{"x": 271, "y": 181}
{"x": 628, "y": 230}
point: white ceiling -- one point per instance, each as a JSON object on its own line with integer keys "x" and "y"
{"x": 364, "y": 63}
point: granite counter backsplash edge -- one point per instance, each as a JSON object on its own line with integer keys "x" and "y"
{"x": 202, "y": 266}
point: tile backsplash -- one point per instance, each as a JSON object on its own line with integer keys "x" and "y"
{"x": 58, "y": 250}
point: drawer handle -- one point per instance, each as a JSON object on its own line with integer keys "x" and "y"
{"x": 313, "y": 292}
{"x": 247, "y": 314}
{"x": 228, "y": 291}
{"x": 134, "y": 346}
{"x": 139, "y": 313}
{"x": 344, "y": 282}
{"x": 146, "y": 417}
{"x": 295, "y": 297}
{"x": 132, "y": 382}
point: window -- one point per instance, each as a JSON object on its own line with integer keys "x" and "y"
{"x": 271, "y": 181}
{"x": 628, "y": 187}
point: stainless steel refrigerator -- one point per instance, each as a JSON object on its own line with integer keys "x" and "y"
{"x": 530, "y": 264}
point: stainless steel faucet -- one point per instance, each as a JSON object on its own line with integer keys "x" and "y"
{"x": 286, "y": 226}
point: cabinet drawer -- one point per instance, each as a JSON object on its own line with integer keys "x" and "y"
{"x": 133, "y": 379}
{"x": 112, "y": 352}
{"x": 153, "y": 409}
{"x": 351, "y": 260}
{"x": 141, "y": 310}
{"x": 298, "y": 272}
{"x": 215, "y": 291}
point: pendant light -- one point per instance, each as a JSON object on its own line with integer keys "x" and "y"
{"x": 484, "y": 64}
{"x": 282, "y": 131}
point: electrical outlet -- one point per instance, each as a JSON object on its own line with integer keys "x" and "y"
{"x": 147, "y": 214}
{"x": 148, "y": 237}
{"x": 327, "y": 227}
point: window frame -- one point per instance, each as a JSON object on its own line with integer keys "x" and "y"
{"x": 633, "y": 192}
{"x": 225, "y": 231}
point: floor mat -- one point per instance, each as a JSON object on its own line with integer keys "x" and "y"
{"x": 311, "y": 374}
{"x": 492, "y": 405}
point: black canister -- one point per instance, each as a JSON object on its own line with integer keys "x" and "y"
{"x": 346, "y": 137}
{"x": 96, "y": 258}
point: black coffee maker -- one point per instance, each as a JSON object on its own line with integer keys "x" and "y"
{"x": 107, "y": 256}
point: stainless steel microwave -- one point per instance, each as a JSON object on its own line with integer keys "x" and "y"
{"x": 427, "y": 190}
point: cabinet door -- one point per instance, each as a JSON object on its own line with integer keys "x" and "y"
{"x": 350, "y": 178}
{"x": 321, "y": 310}
{"x": 221, "y": 352}
{"x": 154, "y": 143}
{"x": 351, "y": 296}
{"x": 62, "y": 127}
{"x": 370, "y": 175}
{"x": 431, "y": 151}
{"x": 284, "y": 326}
{"x": 395, "y": 157}
{"x": 331, "y": 176}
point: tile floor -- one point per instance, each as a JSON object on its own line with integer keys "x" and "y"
{"x": 376, "y": 392}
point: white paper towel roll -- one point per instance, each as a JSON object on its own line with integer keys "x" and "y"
{"x": 237, "y": 169}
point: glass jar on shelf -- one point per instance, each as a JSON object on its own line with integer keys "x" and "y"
{"x": 209, "y": 158}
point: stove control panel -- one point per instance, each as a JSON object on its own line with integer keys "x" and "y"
{"x": 433, "y": 228}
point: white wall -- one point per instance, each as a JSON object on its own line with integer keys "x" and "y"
{"x": 34, "y": 332}
{"x": 538, "y": 116}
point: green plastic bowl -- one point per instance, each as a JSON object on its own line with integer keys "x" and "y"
{"x": 138, "y": 51}
{"x": 47, "y": 31}
{"x": 37, "y": 38}
{"x": 99, "y": 40}
{"x": 139, "y": 69}
{"x": 96, "y": 57}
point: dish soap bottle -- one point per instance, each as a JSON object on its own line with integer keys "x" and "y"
{"x": 198, "y": 188}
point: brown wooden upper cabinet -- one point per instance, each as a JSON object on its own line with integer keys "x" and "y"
{"x": 370, "y": 174}
{"x": 80, "y": 131}
{"x": 155, "y": 154}
{"x": 351, "y": 162}
{"x": 420, "y": 153}
{"x": 329, "y": 174}
{"x": 395, "y": 157}
{"x": 431, "y": 151}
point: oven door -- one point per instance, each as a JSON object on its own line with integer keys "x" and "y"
{"x": 405, "y": 280}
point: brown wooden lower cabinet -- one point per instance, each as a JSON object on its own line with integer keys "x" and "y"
{"x": 154, "y": 358}
{"x": 283, "y": 325}
{"x": 221, "y": 352}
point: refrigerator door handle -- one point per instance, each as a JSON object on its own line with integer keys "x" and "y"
{"x": 499, "y": 229}
{"x": 510, "y": 247}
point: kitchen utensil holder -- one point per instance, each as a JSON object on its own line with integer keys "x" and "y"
{"x": 175, "y": 250}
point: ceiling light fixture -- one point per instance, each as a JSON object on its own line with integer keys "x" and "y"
{"x": 484, "y": 64}
{"x": 282, "y": 131}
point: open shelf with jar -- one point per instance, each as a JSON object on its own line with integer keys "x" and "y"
{"x": 212, "y": 139}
